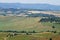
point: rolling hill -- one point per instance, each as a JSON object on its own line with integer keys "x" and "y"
{"x": 30, "y": 6}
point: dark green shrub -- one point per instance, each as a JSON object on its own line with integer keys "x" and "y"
{"x": 53, "y": 26}
{"x": 50, "y": 39}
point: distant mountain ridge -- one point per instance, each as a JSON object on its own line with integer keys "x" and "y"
{"x": 30, "y": 6}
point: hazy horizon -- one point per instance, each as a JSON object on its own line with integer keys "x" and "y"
{"x": 53, "y": 2}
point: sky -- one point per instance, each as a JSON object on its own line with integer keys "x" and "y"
{"x": 53, "y": 2}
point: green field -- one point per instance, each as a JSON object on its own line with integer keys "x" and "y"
{"x": 25, "y": 23}
{"x": 28, "y": 24}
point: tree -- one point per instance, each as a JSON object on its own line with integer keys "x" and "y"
{"x": 50, "y": 39}
{"x": 33, "y": 31}
{"x": 54, "y": 31}
{"x": 53, "y": 26}
{"x": 27, "y": 33}
{"x": 23, "y": 31}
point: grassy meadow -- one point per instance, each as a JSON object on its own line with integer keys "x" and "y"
{"x": 25, "y": 23}
{"x": 15, "y": 23}
{"x": 35, "y": 36}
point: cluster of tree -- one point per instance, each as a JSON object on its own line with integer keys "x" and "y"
{"x": 53, "y": 31}
{"x": 50, "y": 19}
{"x": 13, "y": 11}
{"x": 19, "y": 31}
{"x": 14, "y": 33}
